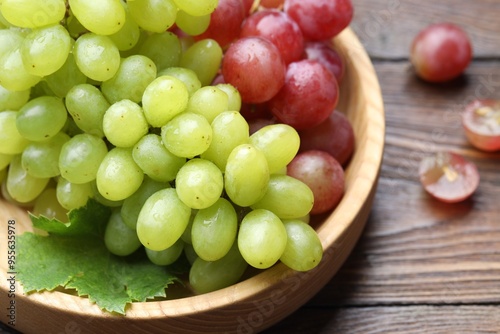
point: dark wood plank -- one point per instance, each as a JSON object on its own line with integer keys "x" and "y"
{"x": 400, "y": 319}
{"x": 387, "y": 27}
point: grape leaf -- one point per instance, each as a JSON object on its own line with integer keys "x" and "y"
{"x": 74, "y": 256}
{"x": 88, "y": 220}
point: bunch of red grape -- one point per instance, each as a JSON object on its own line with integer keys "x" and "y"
{"x": 280, "y": 57}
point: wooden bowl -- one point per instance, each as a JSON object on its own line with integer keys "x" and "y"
{"x": 257, "y": 302}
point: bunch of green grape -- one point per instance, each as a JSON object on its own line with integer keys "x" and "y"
{"x": 99, "y": 99}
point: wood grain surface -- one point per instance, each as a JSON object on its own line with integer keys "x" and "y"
{"x": 421, "y": 266}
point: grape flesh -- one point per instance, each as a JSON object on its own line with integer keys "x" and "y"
{"x": 448, "y": 177}
{"x": 481, "y": 122}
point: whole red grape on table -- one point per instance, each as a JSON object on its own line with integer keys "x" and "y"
{"x": 441, "y": 52}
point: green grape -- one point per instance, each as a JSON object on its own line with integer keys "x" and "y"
{"x": 164, "y": 98}
{"x": 167, "y": 256}
{"x": 13, "y": 75}
{"x": 96, "y": 56}
{"x": 192, "y": 25}
{"x": 10, "y": 39}
{"x": 11, "y": 141}
{"x": 46, "y": 205}
{"x": 155, "y": 160}
{"x": 41, "y": 159}
{"x": 10, "y": 100}
{"x": 130, "y": 81}
{"x": 118, "y": 176}
{"x": 190, "y": 254}
{"x": 199, "y": 183}
{"x": 80, "y": 158}
{"x": 74, "y": 27}
{"x": 124, "y": 123}
{"x": 68, "y": 76}
{"x": 71, "y": 195}
{"x": 33, "y": 13}
{"x": 162, "y": 220}
{"x": 303, "y": 250}
{"x": 5, "y": 160}
{"x": 3, "y": 174}
{"x": 204, "y": 58}
{"x": 21, "y": 186}
{"x": 153, "y": 15}
{"x": 234, "y": 97}
{"x": 87, "y": 106}
{"x": 186, "y": 235}
{"x": 246, "y": 176}
{"x": 230, "y": 129}
{"x": 132, "y": 205}
{"x": 128, "y": 35}
{"x": 287, "y": 197}
{"x": 5, "y": 195}
{"x": 101, "y": 199}
{"x": 41, "y": 118}
{"x": 207, "y": 276}
{"x": 187, "y": 76}
{"x": 262, "y": 238}
{"x": 214, "y": 230}
{"x": 3, "y": 22}
{"x": 208, "y": 101}
{"x": 46, "y": 49}
{"x": 187, "y": 135}
{"x": 143, "y": 35}
{"x": 197, "y": 7}
{"x": 103, "y": 17}
{"x": 118, "y": 237}
{"x": 279, "y": 143}
{"x": 164, "y": 49}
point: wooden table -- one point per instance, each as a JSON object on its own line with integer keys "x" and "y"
{"x": 421, "y": 266}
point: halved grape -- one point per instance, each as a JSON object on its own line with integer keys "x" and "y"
{"x": 481, "y": 122}
{"x": 448, "y": 177}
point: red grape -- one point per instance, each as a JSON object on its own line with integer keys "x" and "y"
{"x": 272, "y": 3}
{"x": 320, "y": 19}
{"x": 279, "y": 28}
{"x": 247, "y": 6}
{"x": 258, "y": 123}
{"x": 323, "y": 174}
{"x": 335, "y": 135}
{"x": 481, "y": 121}
{"x": 308, "y": 97}
{"x": 324, "y": 52}
{"x": 225, "y": 22}
{"x": 440, "y": 52}
{"x": 255, "y": 67}
{"x": 448, "y": 177}
{"x": 255, "y": 111}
